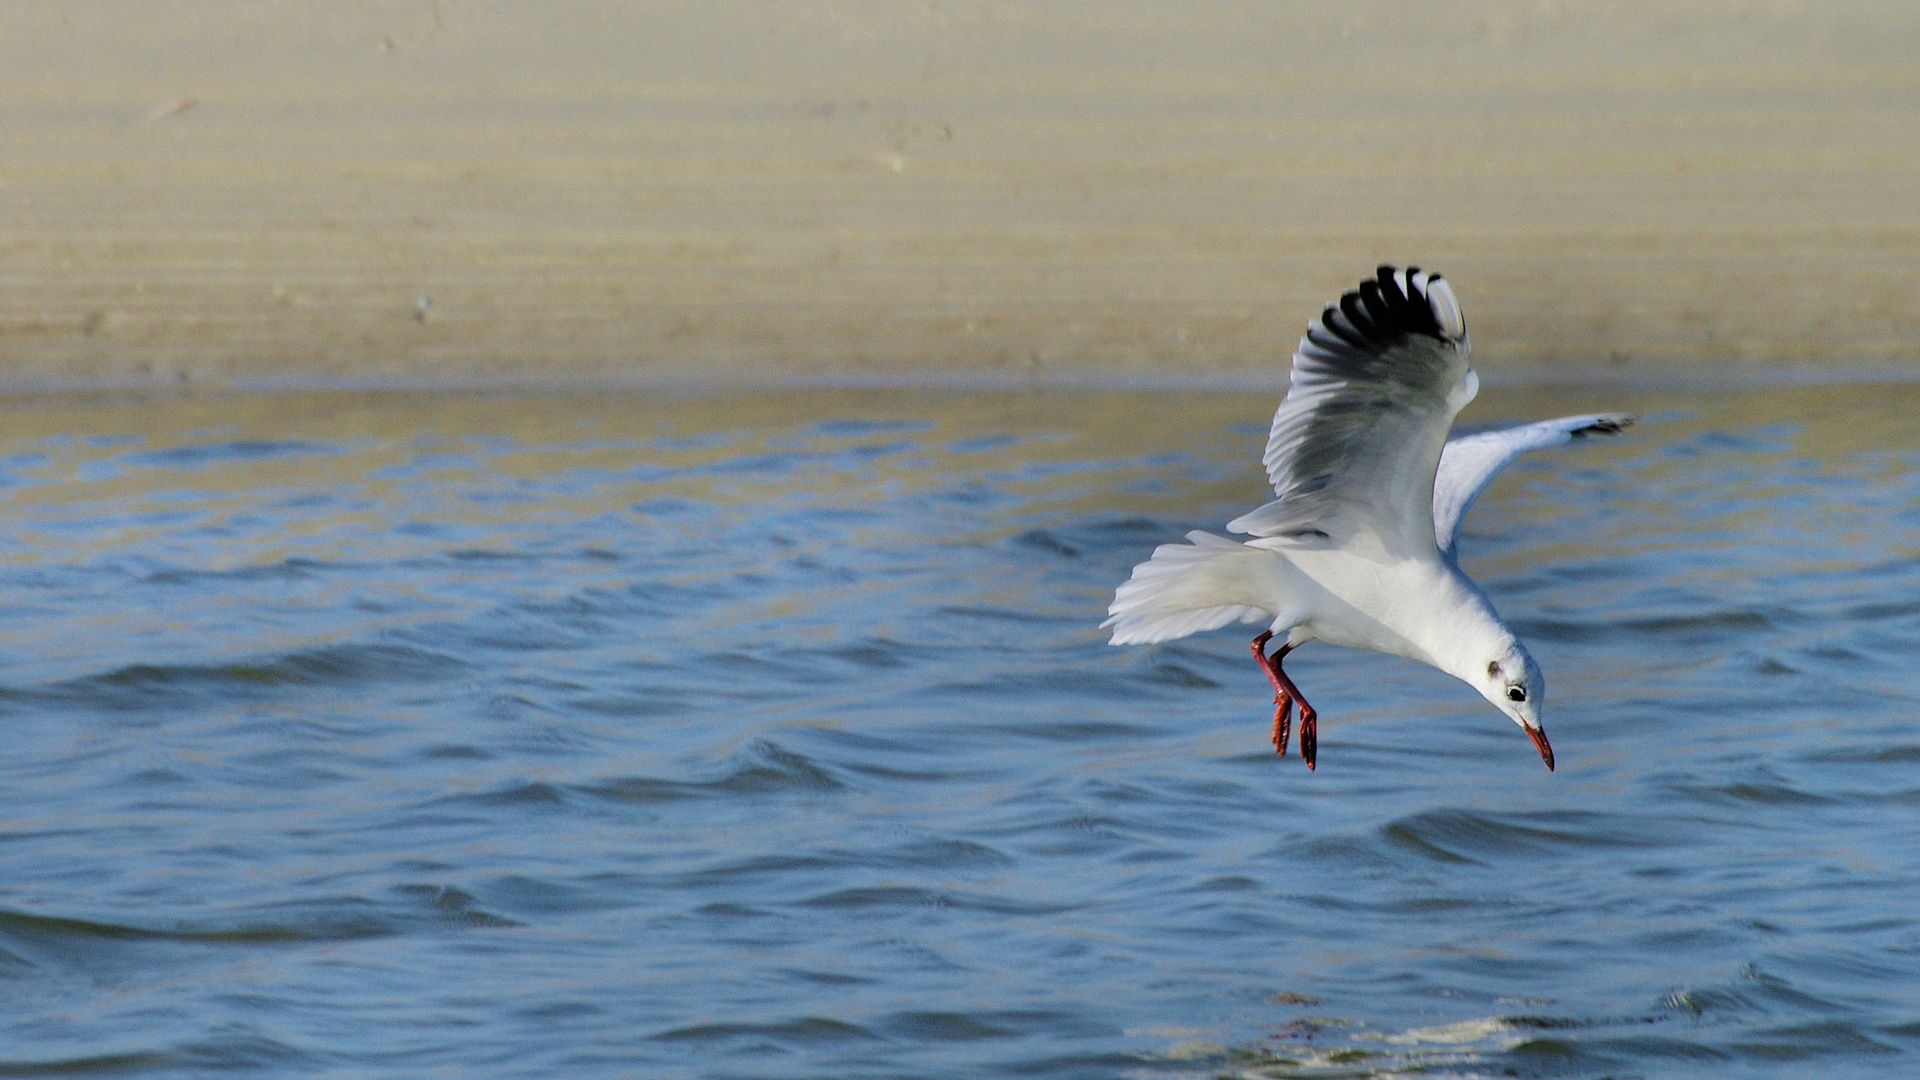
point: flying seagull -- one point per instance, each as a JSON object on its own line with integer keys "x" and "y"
{"x": 1359, "y": 547}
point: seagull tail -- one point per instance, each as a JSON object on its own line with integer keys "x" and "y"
{"x": 1204, "y": 584}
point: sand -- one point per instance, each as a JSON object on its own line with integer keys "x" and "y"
{"x": 241, "y": 194}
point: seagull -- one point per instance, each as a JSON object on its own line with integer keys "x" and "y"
{"x": 1360, "y": 546}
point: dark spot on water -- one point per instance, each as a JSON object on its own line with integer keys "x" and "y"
{"x": 457, "y": 753}
{"x": 562, "y": 1010}
{"x": 158, "y": 778}
{"x": 1041, "y": 540}
{"x": 187, "y": 457}
{"x": 481, "y": 555}
{"x": 1172, "y": 674}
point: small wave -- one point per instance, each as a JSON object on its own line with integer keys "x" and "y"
{"x": 1163, "y": 671}
{"x": 1408, "y": 837}
{"x": 1522, "y": 1045}
{"x": 649, "y": 599}
{"x": 1070, "y": 731}
{"x": 455, "y": 907}
{"x": 90, "y": 1065}
{"x": 1091, "y": 685}
{"x": 934, "y": 854}
{"x": 1763, "y": 789}
{"x": 201, "y": 454}
{"x": 1896, "y": 609}
{"x": 980, "y": 444}
{"x": 757, "y": 866}
{"x": 1899, "y": 753}
{"x": 1681, "y": 629}
{"x": 804, "y": 1031}
{"x": 947, "y": 1026}
{"x": 911, "y": 898}
{"x": 293, "y": 569}
{"x": 235, "y": 1050}
{"x": 489, "y": 555}
{"x": 524, "y": 796}
{"x": 1453, "y": 835}
{"x": 140, "y": 686}
{"x": 346, "y": 919}
{"x": 995, "y": 614}
{"x": 1798, "y": 1042}
{"x": 873, "y": 654}
{"x": 945, "y": 854}
{"x": 768, "y": 769}
{"x": 869, "y": 427}
{"x": 1045, "y": 542}
{"x": 1753, "y": 993}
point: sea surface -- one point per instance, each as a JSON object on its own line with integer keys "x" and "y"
{"x": 771, "y": 735}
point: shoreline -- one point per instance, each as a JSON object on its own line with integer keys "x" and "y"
{"x": 232, "y": 194}
{"x": 1066, "y": 382}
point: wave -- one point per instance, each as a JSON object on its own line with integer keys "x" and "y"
{"x": 143, "y": 686}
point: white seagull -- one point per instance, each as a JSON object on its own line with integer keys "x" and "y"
{"x": 1358, "y": 549}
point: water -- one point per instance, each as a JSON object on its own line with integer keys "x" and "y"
{"x": 771, "y": 736}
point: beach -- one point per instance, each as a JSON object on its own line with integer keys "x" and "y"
{"x": 462, "y": 194}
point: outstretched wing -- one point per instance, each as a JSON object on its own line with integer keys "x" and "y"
{"x": 1377, "y": 382}
{"x": 1470, "y": 461}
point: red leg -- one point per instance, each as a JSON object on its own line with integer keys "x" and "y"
{"x": 1285, "y": 694}
{"x": 1282, "y": 703}
{"x": 1282, "y": 722}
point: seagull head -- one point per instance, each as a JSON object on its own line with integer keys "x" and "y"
{"x": 1512, "y": 681}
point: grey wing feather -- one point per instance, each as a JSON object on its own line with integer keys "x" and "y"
{"x": 1377, "y": 381}
{"x": 1468, "y": 463}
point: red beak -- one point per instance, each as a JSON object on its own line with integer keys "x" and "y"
{"x": 1540, "y": 743}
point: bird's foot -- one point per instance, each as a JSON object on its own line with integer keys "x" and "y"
{"x": 1282, "y": 722}
{"x": 1285, "y": 696}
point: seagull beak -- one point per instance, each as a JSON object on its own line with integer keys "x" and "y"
{"x": 1540, "y": 743}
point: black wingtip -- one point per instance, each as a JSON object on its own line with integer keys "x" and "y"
{"x": 1379, "y": 311}
{"x": 1392, "y": 308}
{"x": 1612, "y": 424}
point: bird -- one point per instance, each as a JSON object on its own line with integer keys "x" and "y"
{"x": 1360, "y": 545}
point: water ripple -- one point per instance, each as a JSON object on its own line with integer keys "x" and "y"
{"x": 747, "y": 735}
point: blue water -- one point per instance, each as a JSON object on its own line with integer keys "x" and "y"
{"x": 771, "y": 736}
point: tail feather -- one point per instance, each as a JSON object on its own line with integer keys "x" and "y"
{"x": 1184, "y": 589}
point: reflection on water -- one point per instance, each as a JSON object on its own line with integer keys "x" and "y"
{"x": 771, "y": 736}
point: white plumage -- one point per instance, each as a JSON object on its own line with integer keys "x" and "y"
{"x": 1357, "y": 548}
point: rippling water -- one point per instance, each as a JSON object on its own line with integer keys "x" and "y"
{"x": 772, "y": 736}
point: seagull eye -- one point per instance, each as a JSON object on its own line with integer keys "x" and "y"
{"x": 1516, "y": 693}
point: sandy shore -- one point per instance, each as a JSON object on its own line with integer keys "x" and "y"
{"x": 259, "y": 192}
